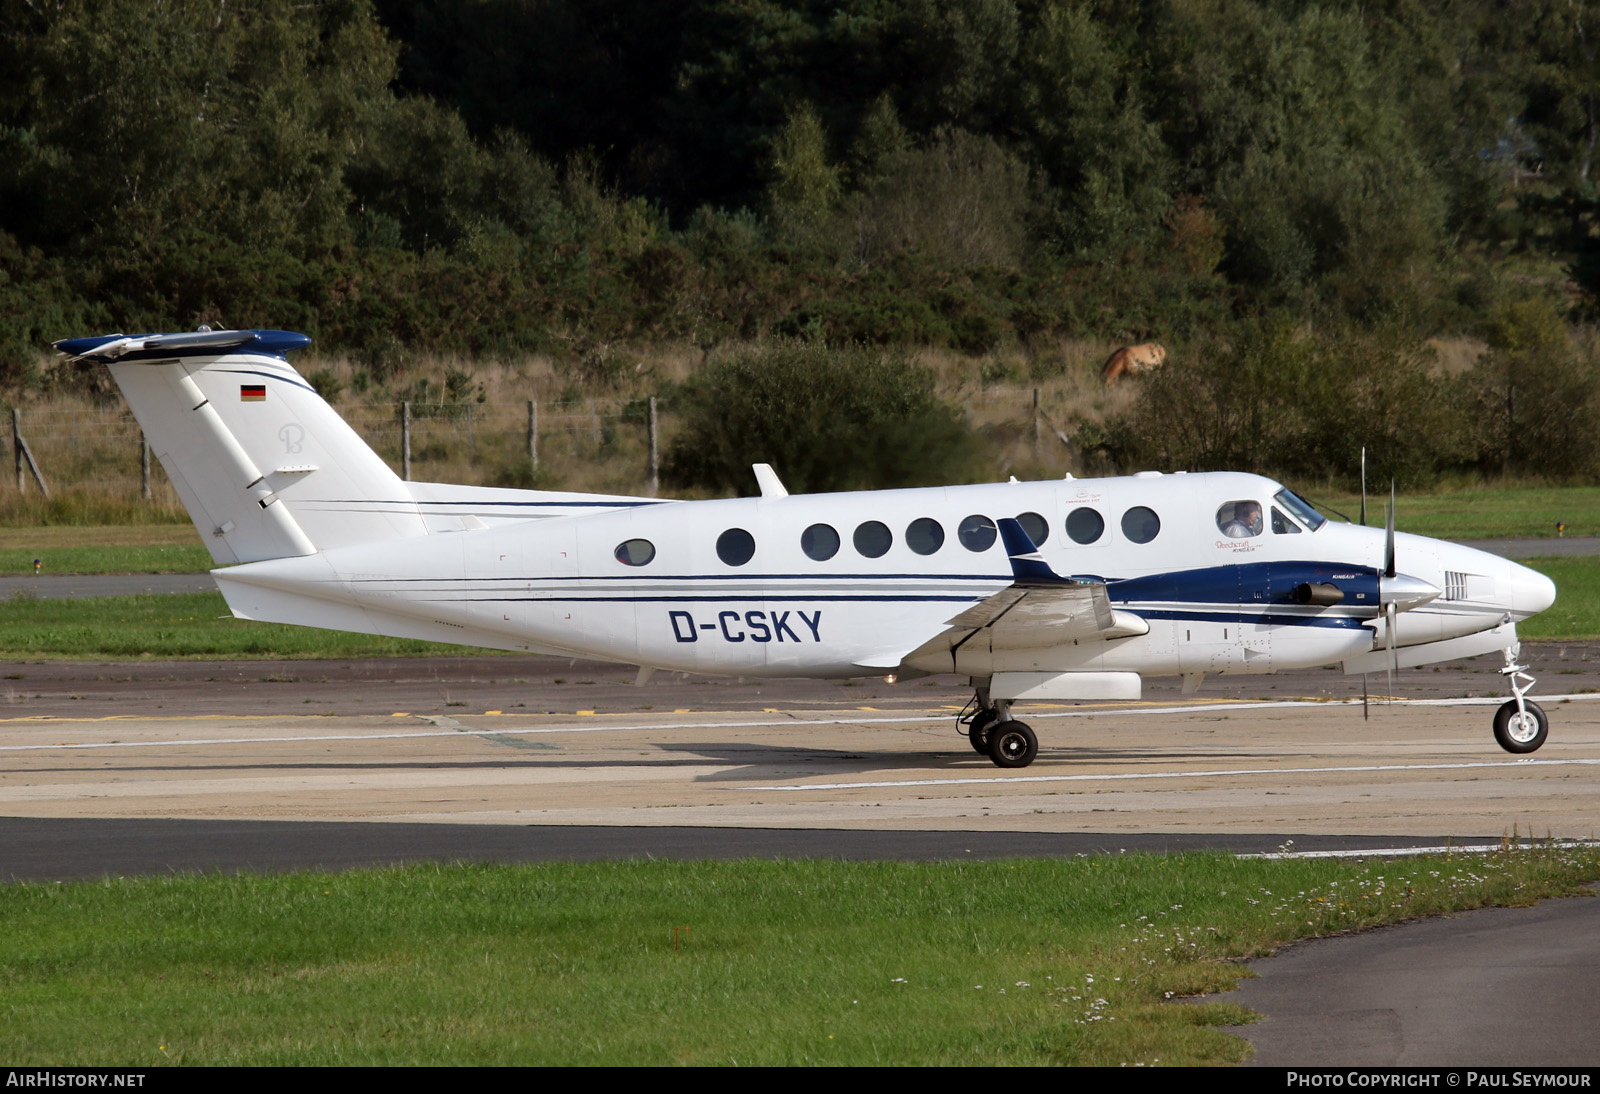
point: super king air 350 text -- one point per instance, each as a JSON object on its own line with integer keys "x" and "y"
{"x": 1035, "y": 590}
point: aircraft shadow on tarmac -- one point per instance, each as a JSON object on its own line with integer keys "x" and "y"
{"x": 960, "y": 759}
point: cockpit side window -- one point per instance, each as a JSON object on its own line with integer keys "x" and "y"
{"x": 1300, "y": 509}
{"x": 1239, "y": 519}
{"x": 1282, "y": 525}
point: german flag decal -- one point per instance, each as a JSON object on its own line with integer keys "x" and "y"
{"x": 252, "y": 393}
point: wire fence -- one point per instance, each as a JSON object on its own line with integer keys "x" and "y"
{"x": 100, "y": 449}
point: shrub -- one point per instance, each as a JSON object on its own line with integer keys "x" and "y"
{"x": 825, "y": 419}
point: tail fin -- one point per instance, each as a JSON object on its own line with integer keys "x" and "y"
{"x": 266, "y": 468}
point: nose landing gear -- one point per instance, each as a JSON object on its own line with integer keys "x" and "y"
{"x": 1520, "y": 726}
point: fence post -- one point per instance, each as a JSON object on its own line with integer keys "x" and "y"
{"x": 1036, "y": 424}
{"x": 533, "y": 435}
{"x": 144, "y": 467}
{"x": 24, "y": 454}
{"x": 405, "y": 440}
{"x": 655, "y": 452}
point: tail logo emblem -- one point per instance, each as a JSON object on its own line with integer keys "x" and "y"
{"x": 292, "y": 435}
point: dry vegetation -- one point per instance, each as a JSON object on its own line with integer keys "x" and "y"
{"x": 470, "y": 420}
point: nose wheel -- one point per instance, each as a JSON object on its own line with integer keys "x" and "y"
{"x": 1520, "y": 726}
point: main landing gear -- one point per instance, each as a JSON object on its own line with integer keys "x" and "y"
{"x": 1520, "y": 725}
{"x": 997, "y": 735}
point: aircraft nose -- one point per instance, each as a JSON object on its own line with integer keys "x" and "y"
{"x": 1531, "y": 591}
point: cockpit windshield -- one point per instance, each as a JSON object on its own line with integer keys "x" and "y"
{"x": 1300, "y": 509}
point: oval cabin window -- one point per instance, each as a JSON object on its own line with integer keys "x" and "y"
{"x": 1037, "y": 527}
{"x": 1085, "y": 525}
{"x": 736, "y": 546}
{"x": 820, "y": 542}
{"x": 1140, "y": 524}
{"x": 976, "y": 533}
{"x": 925, "y": 535}
{"x": 873, "y": 539}
{"x": 635, "y": 552}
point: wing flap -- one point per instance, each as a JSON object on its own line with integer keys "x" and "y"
{"x": 1039, "y": 609}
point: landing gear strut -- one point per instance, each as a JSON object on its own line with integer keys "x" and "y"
{"x": 997, "y": 735}
{"x": 1520, "y": 726}
{"x": 978, "y": 727}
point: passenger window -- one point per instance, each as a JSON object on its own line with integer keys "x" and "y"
{"x": 635, "y": 552}
{"x": 925, "y": 535}
{"x": 976, "y": 533}
{"x": 820, "y": 542}
{"x": 1282, "y": 525}
{"x": 736, "y": 546}
{"x": 873, "y": 539}
{"x": 1239, "y": 519}
{"x": 1085, "y": 525}
{"x": 1037, "y": 527}
{"x": 1140, "y": 524}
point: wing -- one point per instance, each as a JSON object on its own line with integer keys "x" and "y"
{"x": 1039, "y": 608}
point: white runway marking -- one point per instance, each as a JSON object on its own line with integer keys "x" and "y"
{"x": 1136, "y": 775}
{"x": 790, "y": 720}
{"x": 1441, "y": 849}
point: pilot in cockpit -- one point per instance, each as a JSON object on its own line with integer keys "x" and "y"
{"x": 1240, "y": 519}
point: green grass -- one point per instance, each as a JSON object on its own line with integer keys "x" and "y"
{"x": 177, "y": 625}
{"x": 1455, "y": 514}
{"x": 1479, "y": 513}
{"x": 1576, "y": 612}
{"x": 801, "y": 962}
{"x": 198, "y": 625}
{"x": 108, "y": 560}
{"x": 111, "y": 549}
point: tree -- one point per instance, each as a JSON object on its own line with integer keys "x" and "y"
{"x": 1291, "y": 128}
{"x": 121, "y": 121}
{"x": 962, "y": 201}
{"x": 805, "y": 187}
{"x": 1084, "y": 118}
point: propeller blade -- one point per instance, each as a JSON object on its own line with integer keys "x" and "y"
{"x": 1388, "y": 545}
{"x": 1394, "y": 655}
{"x": 1363, "y": 485}
{"x": 1363, "y": 697}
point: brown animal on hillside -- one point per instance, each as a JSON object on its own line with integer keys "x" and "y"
{"x": 1131, "y": 360}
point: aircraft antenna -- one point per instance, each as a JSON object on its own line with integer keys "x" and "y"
{"x": 1389, "y": 610}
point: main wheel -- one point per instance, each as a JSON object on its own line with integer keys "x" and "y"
{"x": 1521, "y": 731}
{"x": 1012, "y": 744}
{"x": 978, "y": 731}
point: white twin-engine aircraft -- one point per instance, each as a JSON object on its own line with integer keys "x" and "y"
{"x": 1035, "y": 590}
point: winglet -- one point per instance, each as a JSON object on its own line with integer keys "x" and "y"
{"x": 1028, "y": 567}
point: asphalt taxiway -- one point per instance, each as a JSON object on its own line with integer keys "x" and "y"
{"x": 146, "y": 767}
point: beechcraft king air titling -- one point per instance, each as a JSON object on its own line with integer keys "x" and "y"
{"x": 1071, "y": 589}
